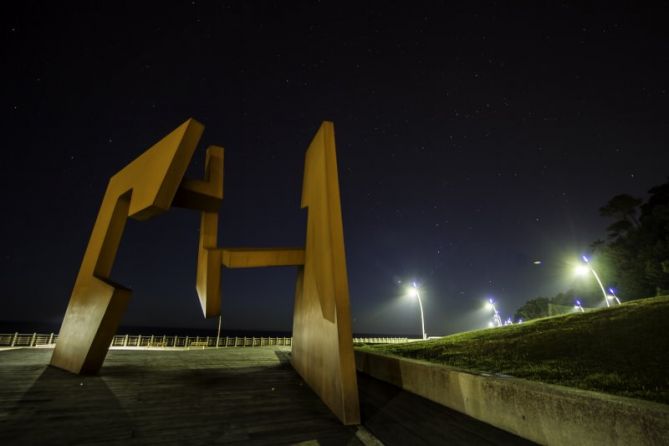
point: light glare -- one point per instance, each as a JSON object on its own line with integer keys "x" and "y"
{"x": 581, "y": 270}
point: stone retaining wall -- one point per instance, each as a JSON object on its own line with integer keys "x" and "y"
{"x": 544, "y": 413}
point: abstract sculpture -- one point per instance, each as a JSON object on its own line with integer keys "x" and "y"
{"x": 322, "y": 351}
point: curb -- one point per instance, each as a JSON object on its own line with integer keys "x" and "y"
{"x": 544, "y": 413}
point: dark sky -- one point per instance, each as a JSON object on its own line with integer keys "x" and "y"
{"x": 472, "y": 140}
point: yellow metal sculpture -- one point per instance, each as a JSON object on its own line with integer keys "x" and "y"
{"x": 144, "y": 188}
{"x": 322, "y": 343}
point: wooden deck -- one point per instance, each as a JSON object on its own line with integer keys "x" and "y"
{"x": 230, "y": 396}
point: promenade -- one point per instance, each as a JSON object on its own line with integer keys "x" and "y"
{"x": 231, "y": 396}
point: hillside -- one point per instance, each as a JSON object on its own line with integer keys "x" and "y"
{"x": 622, "y": 350}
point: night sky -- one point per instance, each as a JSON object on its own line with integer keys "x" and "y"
{"x": 472, "y": 140}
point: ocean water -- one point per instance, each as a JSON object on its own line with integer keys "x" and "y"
{"x": 47, "y": 327}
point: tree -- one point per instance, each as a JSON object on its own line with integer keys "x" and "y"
{"x": 637, "y": 251}
{"x": 622, "y": 207}
{"x": 540, "y": 307}
{"x": 533, "y": 309}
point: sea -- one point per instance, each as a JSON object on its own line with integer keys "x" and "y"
{"x": 50, "y": 327}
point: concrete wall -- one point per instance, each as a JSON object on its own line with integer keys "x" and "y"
{"x": 544, "y": 413}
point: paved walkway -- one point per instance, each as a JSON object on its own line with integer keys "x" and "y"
{"x": 231, "y": 396}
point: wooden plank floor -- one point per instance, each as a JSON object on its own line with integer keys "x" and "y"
{"x": 230, "y": 396}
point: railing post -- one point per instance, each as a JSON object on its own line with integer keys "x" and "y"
{"x": 151, "y": 341}
{"x": 186, "y": 342}
{"x": 32, "y": 340}
{"x": 16, "y": 335}
{"x": 51, "y": 339}
{"x": 164, "y": 341}
{"x": 207, "y": 341}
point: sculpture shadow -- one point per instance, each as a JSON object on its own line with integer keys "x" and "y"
{"x": 62, "y": 408}
{"x": 159, "y": 401}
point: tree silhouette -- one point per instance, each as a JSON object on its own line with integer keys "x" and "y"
{"x": 637, "y": 253}
{"x": 624, "y": 208}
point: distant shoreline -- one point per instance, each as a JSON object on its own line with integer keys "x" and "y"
{"x": 46, "y": 327}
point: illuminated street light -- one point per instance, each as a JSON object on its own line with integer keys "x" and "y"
{"x": 584, "y": 268}
{"x": 496, "y": 318}
{"x": 413, "y": 291}
{"x": 613, "y": 295}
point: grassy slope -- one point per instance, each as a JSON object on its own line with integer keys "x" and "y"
{"x": 623, "y": 350}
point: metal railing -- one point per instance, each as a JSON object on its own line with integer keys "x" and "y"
{"x": 197, "y": 341}
{"x": 381, "y": 340}
{"x": 164, "y": 341}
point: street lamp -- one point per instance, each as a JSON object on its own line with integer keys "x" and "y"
{"x": 613, "y": 295}
{"x": 413, "y": 291}
{"x": 583, "y": 269}
{"x": 218, "y": 333}
{"x": 579, "y": 307}
{"x": 496, "y": 318}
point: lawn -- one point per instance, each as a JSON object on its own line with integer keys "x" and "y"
{"x": 622, "y": 350}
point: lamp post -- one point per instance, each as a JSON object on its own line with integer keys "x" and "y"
{"x": 496, "y": 318}
{"x": 218, "y": 333}
{"x": 415, "y": 293}
{"x": 613, "y": 294}
{"x": 586, "y": 267}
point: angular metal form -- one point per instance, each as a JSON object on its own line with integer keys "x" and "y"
{"x": 206, "y": 196}
{"x": 143, "y": 189}
{"x": 322, "y": 341}
{"x": 322, "y": 351}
